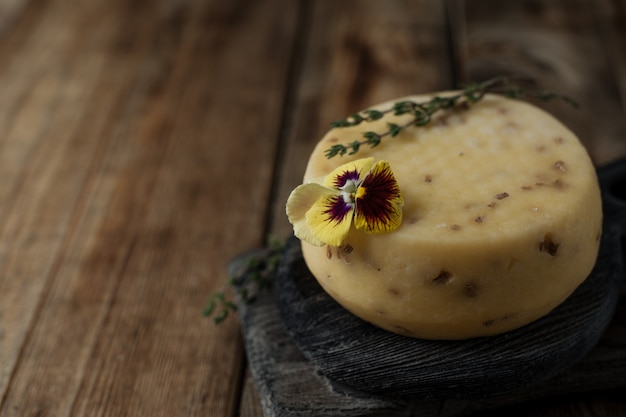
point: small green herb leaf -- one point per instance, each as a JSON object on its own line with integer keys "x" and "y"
{"x": 257, "y": 272}
{"x": 394, "y": 129}
{"x": 355, "y": 147}
{"x": 373, "y": 115}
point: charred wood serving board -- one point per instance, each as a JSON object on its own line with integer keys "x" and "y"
{"x": 309, "y": 356}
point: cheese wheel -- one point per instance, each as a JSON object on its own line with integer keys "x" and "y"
{"x": 501, "y": 222}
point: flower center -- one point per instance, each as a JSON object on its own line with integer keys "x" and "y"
{"x": 349, "y": 192}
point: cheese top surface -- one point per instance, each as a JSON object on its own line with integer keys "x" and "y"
{"x": 501, "y": 222}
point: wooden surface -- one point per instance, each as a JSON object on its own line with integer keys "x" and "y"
{"x": 145, "y": 143}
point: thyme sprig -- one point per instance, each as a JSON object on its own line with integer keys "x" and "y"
{"x": 422, "y": 112}
{"x": 254, "y": 273}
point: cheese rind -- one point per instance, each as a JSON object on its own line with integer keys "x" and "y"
{"x": 502, "y": 222}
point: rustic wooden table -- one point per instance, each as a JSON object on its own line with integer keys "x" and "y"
{"x": 145, "y": 143}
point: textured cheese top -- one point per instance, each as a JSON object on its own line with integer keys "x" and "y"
{"x": 501, "y": 222}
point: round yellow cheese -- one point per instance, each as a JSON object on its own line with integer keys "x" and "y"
{"x": 501, "y": 222}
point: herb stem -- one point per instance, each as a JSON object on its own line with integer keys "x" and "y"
{"x": 255, "y": 272}
{"x": 422, "y": 112}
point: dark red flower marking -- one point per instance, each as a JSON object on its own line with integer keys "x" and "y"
{"x": 349, "y": 175}
{"x": 337, "y": 209}
{"x": 375, "y": 199}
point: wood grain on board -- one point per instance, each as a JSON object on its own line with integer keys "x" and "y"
{"x": 132, "y": 167}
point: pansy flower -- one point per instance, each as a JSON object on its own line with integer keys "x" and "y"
{"x": 360, "y": 192}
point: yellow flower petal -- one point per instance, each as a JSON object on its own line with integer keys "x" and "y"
{"x": 301, "y": 199}
{"x": 379, "y": 201}
{"x": 354, "y": 170}
{"x": 329, "y": 219}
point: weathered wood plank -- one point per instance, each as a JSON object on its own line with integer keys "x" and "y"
{"x": 250, "y": 401}
{"x": 556, "y": 43}
{"x": 134, "y": 169}
{"x": 34, "y": 150}
{"x": 9, "y": 11}
{"x": 610, "y": 16}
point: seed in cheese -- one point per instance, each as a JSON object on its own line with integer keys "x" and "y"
{"x": 501, "y": 222}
